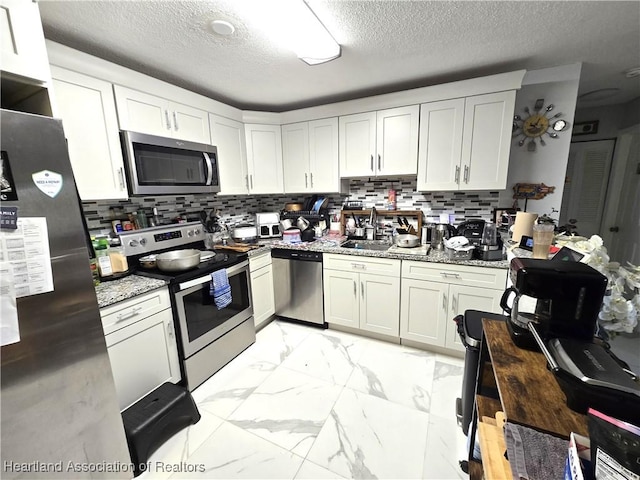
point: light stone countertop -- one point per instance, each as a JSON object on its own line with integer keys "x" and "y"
{"x": 114, "y": 291}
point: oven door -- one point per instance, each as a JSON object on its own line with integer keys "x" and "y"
{"x": 201, "y": 323}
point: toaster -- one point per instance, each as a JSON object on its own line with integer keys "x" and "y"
{"x": 268, "y": 224}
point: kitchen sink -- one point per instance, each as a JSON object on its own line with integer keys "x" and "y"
{"x": 362, "y": 245}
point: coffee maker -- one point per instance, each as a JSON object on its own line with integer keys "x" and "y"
{"x": 567, "y": 295}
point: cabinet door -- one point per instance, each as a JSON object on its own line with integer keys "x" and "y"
{"x": 295, "y": 157}
{"x": 143, "y": 356}
{"x": 228, "y": 136}
{"x": 90, "y": 124}
{"x": 264, "y": 158}
{"x": 190, "y": 124}
{"x": 397, "y": 141}
{"x": 486, "y": 140}
{"x": 424, "y": 311}
{"x": 380, "y": 304}
{"x": 141, "y": 112}
{"x": 357, "y": 144}
{"x": 440, "y": 149}
{"x": 464, "y": 298}
{"x": 262, "y": 295}
{"x": 323, "y": 156}
{"x": 22, "y": 49}
{"x": 341, "y": 298}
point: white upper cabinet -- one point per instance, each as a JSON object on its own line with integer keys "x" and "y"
{"x": 229, "y": 138}
{"x": 144, "y": 113}
{"x": 88, "y": 114}
{"x": 264, "y": 158}
{"x": 379, "y": 143}
{"x": 465, "y": 143}
{"x": 22, "y": 46}
{"x": 310, "y": 156}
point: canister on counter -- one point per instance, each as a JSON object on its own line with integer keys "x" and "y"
{"x": 117, "y": 226}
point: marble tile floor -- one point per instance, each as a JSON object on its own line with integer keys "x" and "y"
{"x": 307, "y": 403}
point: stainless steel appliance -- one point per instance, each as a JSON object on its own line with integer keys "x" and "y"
{"x": 58, "y": 396}
{"x": 268, "y": 224}
{"x": 165, "y": 166}
{"x": 298, "y": 288}
{"x": 440, "y": 232}
{"x": 209, "y": 337}
{"x": 568, "y": 299}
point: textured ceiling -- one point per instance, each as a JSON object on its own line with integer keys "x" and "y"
{"x": 386, "y": 45}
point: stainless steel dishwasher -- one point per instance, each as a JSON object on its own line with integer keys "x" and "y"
{"x": 297, "y": 276}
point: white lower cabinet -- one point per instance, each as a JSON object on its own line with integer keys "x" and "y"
{"x": 362, "y": 293}
{"x": 262, "y": 291}
{"x": 141, "y": 343}
{"x": 433, "y": 294}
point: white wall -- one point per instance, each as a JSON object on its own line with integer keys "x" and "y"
{"x": 547, "y": 164}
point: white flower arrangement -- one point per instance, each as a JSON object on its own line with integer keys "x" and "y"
{"x": 619, "y": 311}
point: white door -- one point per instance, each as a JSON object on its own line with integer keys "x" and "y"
{"x": 341, "y": 298}
{"x": 380, "y": 304}
{"x": 143, "y": 356}
{"x": 22, "y": 46}
{"x": 295, "y": 157}
{"x": 423, "y": 311}
{"x": 440, "y": 146}
{"x": 397, "y": 141}
{"x": 585, "y": 187}
{"x": 357, "y": 140}
{"x": 88, "y": 114}
{"x": 486, "y": 141}
{"x": 264, "y": 158}
{"x": 189, "y": 123}
{"x": 141, "y": 112}
{"x": 228, "y": 136}
{"x": 323, "y": 155}
{"x": 621, "y": 225}
{"x": 463, "y": 298}
{"x": 262, "y": 295}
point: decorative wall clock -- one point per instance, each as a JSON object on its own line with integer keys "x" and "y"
{"x": 537, "y": 124}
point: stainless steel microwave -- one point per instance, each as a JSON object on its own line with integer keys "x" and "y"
{"x": 166, "y": 166}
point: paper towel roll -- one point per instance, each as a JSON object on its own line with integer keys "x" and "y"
{"x": 523, "y": 225}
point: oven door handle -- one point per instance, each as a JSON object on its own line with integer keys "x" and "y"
{"x": 207, "y": 278}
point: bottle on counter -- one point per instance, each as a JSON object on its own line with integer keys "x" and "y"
{"x": 101, "y": 248}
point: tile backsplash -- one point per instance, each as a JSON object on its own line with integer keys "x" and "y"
{"x": 236, "y": 209}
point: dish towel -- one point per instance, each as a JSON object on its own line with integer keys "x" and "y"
{"x": 220, "y": 288}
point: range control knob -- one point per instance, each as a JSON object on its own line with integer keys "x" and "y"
{"x": 197, "y": 231}
{"x": 143, "y": 241}
{"x": 133, "y": 242}
{"x": 190, "y": 233}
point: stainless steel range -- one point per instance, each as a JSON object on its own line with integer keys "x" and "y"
{"x": 209, "y": 336}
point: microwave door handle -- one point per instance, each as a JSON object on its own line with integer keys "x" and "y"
{"x": 207, "y": 159}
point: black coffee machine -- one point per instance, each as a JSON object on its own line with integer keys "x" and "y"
{"x": 568, "y": 298}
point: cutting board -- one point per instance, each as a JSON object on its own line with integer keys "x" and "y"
{"x": 238, "y": 247}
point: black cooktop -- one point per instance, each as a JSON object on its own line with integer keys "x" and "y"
{"x": 220, "y": 260}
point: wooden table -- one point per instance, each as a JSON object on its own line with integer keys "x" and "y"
{"x": 527, "y": 392}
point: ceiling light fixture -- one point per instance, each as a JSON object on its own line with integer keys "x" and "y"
{"x": 222, "y": 27}
{"x": 294, "y": 24}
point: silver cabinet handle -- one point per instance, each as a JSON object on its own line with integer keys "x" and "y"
{"x": 169, "y": 330}
{"x": 175, "y": 121}
{"x": 311, "y": 178}
{"x": 166, "y": 116}
{"x": 251, "y": 181}
{"x": 372, "y": 163}
{"x": 449, "y": 274}
{"x": 358, "y": 266}
{"x": 466, "y": 174}
{"x": 457, "y": 174}
{"x": 306, "y": 184}
{"x": 454, "y": 305}
{"x": 121, "y": 177}
{"x": 134, "y": 311}
{"x": 444, "y": 302}
{"x": 246, "y": 181}
{"x": 362, "y": 289}
{"x": 355, "y": 291}
{"x": 379, "y": 162}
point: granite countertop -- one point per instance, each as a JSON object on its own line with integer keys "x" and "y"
{"x": 114, "y": 291}
{"x": 331, "y": 244}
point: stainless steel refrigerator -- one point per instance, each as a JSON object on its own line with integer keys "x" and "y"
{"x": 60, "y": 416}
